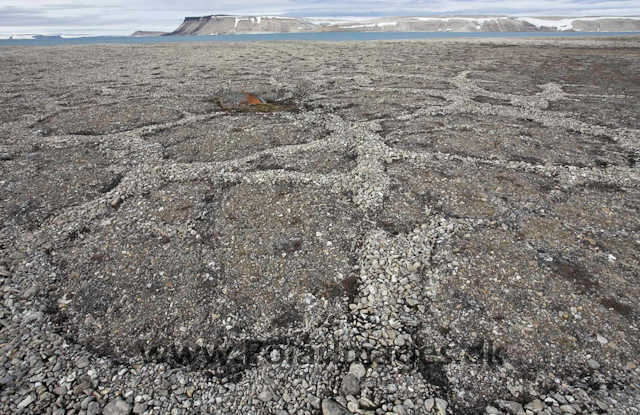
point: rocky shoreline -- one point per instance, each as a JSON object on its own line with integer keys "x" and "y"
{"x": 391, "y": 227}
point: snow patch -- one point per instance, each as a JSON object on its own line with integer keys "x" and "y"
{"x": 382, "y": 24}
{"x": 565, "y": 24}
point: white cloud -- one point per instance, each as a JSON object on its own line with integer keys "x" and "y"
{"x": 123, "y": 17}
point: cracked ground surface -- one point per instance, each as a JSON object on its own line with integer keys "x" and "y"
{"x": 454, "y": 224}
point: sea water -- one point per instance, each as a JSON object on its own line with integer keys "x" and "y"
{"x": 322, "y": 36}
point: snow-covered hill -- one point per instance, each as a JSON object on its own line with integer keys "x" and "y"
{"x": 223, "y": 24}
{"x": 493, "y": 24}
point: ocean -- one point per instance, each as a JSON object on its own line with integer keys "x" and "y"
{"x": 324, "y": 37}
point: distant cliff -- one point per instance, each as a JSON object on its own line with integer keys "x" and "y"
{"x": 221, "y": 24}
{"x": 492, "y": 24}
{"x": 224, "y": 24}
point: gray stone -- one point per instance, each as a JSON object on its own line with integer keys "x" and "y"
{"x": 83, "y": 362}
{"x": 115, "y": 202}
{"x": 265, "y": 396}
{"x": 81, "y": 387}
{"x": 26, "y": 402}
{"x": 17, "y": 256}
{"x": 93, "y": 408}
{"x": 535, "y": 406}
{"x": 350, "y": 385}
{"x": 560, "y": 399}
{"x": 32, "y": 316}
{"x": 117, "y": 407}
{"x": 568, "y": 409}
{"x": 399, "y": 409}
{"x": 139, "y": 408}
{"x": 366, "y": 403}
{"x": 30, "y": 292}
{"x": 441, "y": 405}
{"x": 314, "y": 401}
{"x": 429, "y": 403}
{"x": 358, "y": 370}
{"x": 511, "y": 406}
{"x": 331, "y": 407}
{"x": 490, "y": 410}
{"x": 60, "y": 390}
{"x": 593, "y": 364}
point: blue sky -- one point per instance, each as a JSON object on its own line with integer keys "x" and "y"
{"x": 126, "y": 16}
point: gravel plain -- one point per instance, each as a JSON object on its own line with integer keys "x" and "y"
{"x": 404, "y": 227}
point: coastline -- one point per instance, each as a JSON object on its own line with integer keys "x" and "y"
{"x": 308, "y": 37}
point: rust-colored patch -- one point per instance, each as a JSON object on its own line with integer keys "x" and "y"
{"x": 251, "y": 99}
{"x": 248, "y": 102}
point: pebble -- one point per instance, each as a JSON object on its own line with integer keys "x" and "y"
{"x": 265, "y": 396}
{"x": 350, "y": 385}
{"x": 593, "y": 364}
{"x": 26, "y": 402}
{"x": 536, "y": 405}
{"x": 93, "y": 408}
{"x": 140, "y": 408}
{"x": 83, "y": 362}
{"x": 358, "y": 370}
{"x": 117, "y": 407}
{"x": 399, "y": 409}
{"x": 429, "y": 404}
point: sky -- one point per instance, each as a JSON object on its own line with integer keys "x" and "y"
{"x": 123, "y": 17}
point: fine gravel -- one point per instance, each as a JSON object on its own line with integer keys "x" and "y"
{"x": 397, "y": 227}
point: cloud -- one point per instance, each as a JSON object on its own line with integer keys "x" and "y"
{"x": 123, "y": 17}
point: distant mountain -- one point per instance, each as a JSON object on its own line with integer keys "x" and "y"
{"x": 29, "y": 37}
{"x": 44, "y": 37}
{"x": 142, "y": 33}
{"x": 225, "y": 24}
{"x": 492, "y": 24}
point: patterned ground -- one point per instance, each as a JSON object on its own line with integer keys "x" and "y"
{"x": 462, "y": 218}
